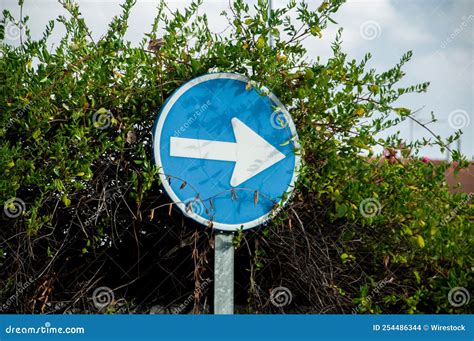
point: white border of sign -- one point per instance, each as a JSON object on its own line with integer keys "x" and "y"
{"x": 156, "y": 136}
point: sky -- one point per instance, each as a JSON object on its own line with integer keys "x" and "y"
{"x": 439, "y": 32}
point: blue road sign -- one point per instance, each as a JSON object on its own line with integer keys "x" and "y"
{"x": 227, "y": 153}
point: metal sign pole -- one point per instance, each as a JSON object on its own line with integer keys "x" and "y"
{"x": 224, "y": 274}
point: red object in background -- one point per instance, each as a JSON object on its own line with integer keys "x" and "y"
{"x": 465, "y": 178}
{"x": 463, "y": 181}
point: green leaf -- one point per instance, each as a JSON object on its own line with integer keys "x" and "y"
{"x": 36, "y": 134}
{"x": 421, "y": 241}
{"x": 195, "y": 64}
{"x": 417, "y": 276}
{"x": 403, "y": 111}
{"x": 323, "y": 6}
{"x": 66, "y": 200}
{"x": 359, "y": 112}
{"x": 374, "y": 89}
{"x": 101, "y": 111}
{"x": 341, "y": 210}
{"x": 316, "y": 31}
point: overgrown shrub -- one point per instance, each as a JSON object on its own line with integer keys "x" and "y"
{"x": 363, "y": 233}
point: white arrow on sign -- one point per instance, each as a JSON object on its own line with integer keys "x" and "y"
{"x": 251, "y": 153}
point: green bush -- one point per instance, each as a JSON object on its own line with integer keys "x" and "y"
{"x": 76, "y": 121}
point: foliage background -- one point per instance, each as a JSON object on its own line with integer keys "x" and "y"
{"x": 363, "y": 233}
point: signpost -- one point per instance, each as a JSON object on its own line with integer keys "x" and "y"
{"x": 230, "y": 151}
